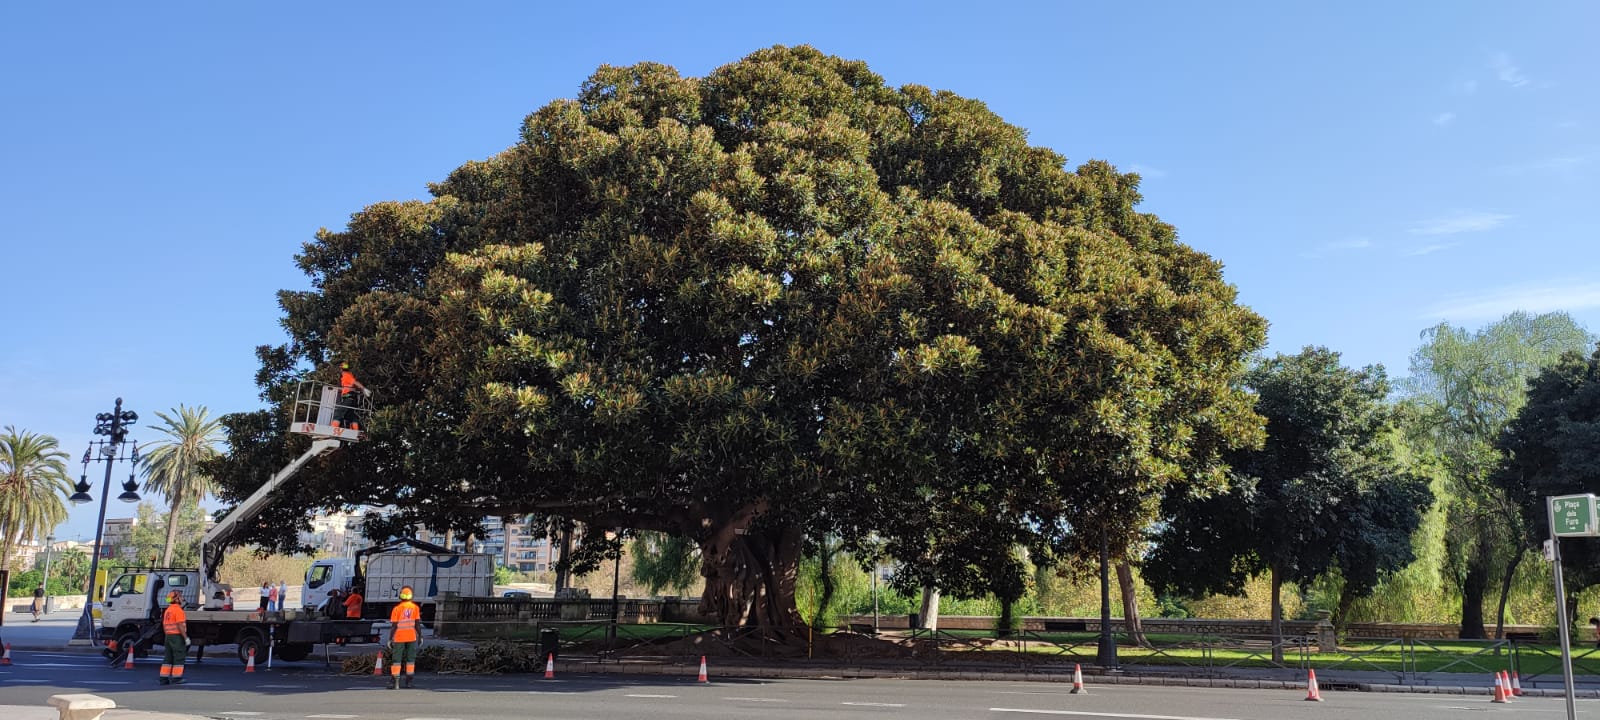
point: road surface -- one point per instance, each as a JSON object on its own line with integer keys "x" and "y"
{"x": 306, "y": 691}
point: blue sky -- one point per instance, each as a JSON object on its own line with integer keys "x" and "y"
{"x": 1363, "y": 169}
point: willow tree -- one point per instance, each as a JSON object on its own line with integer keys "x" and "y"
{"x": 779, "y": 300}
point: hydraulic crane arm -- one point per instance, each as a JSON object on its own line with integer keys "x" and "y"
{"x": 226, "y": 531}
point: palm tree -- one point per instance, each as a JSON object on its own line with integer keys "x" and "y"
{"x": 33, "y": 481}
{"x": 172, "y": 466}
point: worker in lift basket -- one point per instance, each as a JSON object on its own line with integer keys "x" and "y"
{"x": 344, "y": 414}
{"x": 175, "y": 624}
{"x": 404, "y": 640}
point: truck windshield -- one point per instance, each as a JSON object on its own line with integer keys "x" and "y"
{"x": 319, "y": 575}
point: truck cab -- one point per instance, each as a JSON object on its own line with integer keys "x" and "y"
{"x": 138, "y": 596}
{"x": 325, "y": 576}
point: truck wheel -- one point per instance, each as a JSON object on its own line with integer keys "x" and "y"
{"x": 293, "y": 653}
{"x": 129, "y": 638}
{"x": 251, "y": 641}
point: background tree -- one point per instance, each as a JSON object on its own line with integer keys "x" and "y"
{"x": 172, "y": 466}
{"x": 33, "y": 482}
{"x": 662, "y": 562}
{"x": 1552, "y": 447}
{"x": 699, "y": 307}
{"x": 1324, "y": 491}
{"x": 152, "y": 537}
{"x": 1465, "y": 386}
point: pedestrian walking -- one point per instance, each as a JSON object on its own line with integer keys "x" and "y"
{"x": 266, "y": 597}
{"x": 175, "y": 625}
{"x": 404, "y": 642}
{"x": 38, "y": 602}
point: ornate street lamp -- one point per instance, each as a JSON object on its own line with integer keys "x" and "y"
{"x": 114, "y": 426}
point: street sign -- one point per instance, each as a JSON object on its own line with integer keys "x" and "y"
{"x": 1574, "y": 516}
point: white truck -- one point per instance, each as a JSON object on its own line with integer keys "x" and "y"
{"x": 131, "y": 616}
{"x": 431, "y": 573}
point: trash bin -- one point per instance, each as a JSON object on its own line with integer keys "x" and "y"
{"x": 916, "y": 621}
{"x": 549, "y": 642}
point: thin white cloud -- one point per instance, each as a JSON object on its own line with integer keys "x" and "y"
{"x": 1460, "y": 222}
{"x": 1535, "y": 298}
{"x": 1147, "y": 172}
{"x": 1444, "y": 118}
{"x": 1507, "y": 71}
{"x": 1430, "y": 249}
{"x": 1354, "y": 242}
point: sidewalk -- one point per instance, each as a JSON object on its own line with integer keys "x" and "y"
{"x": 50, "y": 633}
{"x": 29, "y": 712}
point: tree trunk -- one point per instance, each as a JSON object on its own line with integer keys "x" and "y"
{"x": 1277, "y": 616}
{"x": 563, "y": 575}
{"x": 1505, "y": 592}
{"x": 751, "y": 576}
{"x": 172, "y": 533}
{"x": 930, "y": 607}
{"x": 1473, "y": 587}
{"x": 1130, "y": 605}
{"x": 825, "y": 568}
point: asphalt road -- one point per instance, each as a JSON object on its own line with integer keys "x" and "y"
{"x": 306, "y": 691}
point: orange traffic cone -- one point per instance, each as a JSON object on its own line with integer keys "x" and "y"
{"x": 1077, "y": 680}
{"x": 127, "y": 659}
{"x": 1499, "y": 691}
{"x": 250, "y": 666}
{"x": 1313, "y": 693}
{"x": 550, "y": 667}
{"x": 377, "y": 664}
{"x": 702, "y": 677}
{"x": 6, "y": 658}
{"x": 1516, "y": 684}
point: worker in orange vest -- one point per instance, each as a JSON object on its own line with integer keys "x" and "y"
{"x": 175, "y": 624}
{"x": 352, "y": 603}
{"x": 404, "y": 642}
{"x": 345, "y": 412}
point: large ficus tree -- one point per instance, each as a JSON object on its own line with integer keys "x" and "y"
{"x": 783, "y": 299}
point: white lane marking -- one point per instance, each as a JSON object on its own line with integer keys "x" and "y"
{"x": 873, "y": 704}
{"x": 333, "y": 716}
{"x": 1102, "y": 714}
{"x": 281, "y": 687}
{"x": 739, "y": 699}
{"x": 106, "y": 682}
{"x": 26, "y": 680}
{"x": 643, "y": 695}
{"x": 430, "y": 718}
{"x": 540, "y": 692}
{"x": 242, "y": 713}
{"x": 450, "y": 689}
{"x": 92, "y": 664}
{"x": 195, "y": 684}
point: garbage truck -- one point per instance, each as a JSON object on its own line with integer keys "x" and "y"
{"x": 381, "y": 570}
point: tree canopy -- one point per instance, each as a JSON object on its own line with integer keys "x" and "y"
{"x": 1324, "y": 492}
{"x": 1464, "y": 387}
{"x": 1552, "y": 447}
{"x": 778, "y": 300}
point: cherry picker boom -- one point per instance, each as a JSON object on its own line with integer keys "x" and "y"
{"x": 131, "y": 616}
